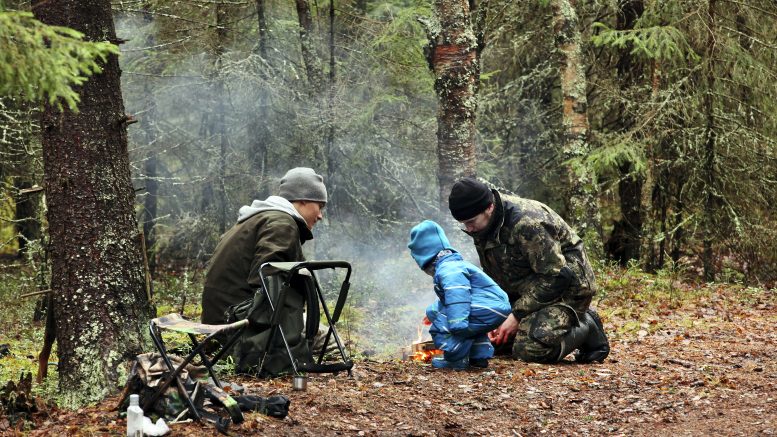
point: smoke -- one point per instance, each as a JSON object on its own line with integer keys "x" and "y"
{"x": 224, "y": 125}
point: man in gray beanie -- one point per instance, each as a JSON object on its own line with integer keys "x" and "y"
{"x": 270, "y": 230}
{"x": 536, "y": 257}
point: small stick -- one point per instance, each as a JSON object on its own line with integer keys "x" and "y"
{"x": 33, "y": 189}
{"x": 49, "y": 337}
{"x": 34, "y": 293}
{"x": 147, "y": 274}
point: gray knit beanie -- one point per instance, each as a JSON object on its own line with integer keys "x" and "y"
{"x": 302, "y": 183}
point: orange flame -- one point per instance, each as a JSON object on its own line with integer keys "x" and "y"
{"x": 422, "y": 351}
{"x": 425, "y": 356}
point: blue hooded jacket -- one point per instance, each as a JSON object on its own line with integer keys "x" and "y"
{"x": 427, "y": 239}
{"x": 466, "y": 294}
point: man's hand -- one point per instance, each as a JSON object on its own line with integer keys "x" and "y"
{"x": 505, "y": 331}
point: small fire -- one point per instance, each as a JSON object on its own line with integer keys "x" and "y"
{"x": 422, "y": 351}
{"x": 425, "y": 356}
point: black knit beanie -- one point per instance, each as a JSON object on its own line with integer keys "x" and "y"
{"x": 469, "y": 197}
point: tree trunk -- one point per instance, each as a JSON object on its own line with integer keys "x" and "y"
{"x": 630, "y": 194}
{"x": 150, "y": 166}
{"x": 630, "y": 183}
{"x": 259, "y": 132}
{"x": 17, "y": 128}
{"x": 100, "y": 300}
{"x": 262, "y": 21}
{"x": 26, "y": 219}
{"x": 581, "y": 202}
{"x": 648, "y": 251}
{"x": 710, "y": 134}
{"x": 221, "y": 129}
{"x": 453, "y": 56}
{"x": 329, "y": 146}
{"x": 152, "y": 185}
{"x": 309, "y": 57}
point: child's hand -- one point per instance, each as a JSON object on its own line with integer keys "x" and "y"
{"x": 426, "y": 321}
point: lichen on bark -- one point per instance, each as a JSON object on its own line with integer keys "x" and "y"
{"x": 453, "y": 57}
{"x": 581, "y": 205}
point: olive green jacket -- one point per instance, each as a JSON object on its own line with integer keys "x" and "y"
{"x": 267, "y": 231}
{"x": 535, "y": 256}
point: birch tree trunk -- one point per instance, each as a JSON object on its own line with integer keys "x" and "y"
{"x": 580, "y": 199}
{"x": 100, "y": 302}
{"x": 453, "y": 56}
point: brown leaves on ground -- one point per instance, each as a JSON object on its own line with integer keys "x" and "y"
{"x": 696, "y": 370}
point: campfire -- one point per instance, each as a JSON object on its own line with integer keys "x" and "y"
{"x": 421, "y": 351}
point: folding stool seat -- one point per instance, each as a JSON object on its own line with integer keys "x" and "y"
{"x": 176, "y": 323}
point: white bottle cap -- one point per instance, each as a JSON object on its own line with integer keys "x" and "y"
{"x": 134, "y": 400}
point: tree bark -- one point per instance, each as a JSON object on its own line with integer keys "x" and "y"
{"x": 17, "y": 129}
{"x": 630, "y": 195}
{"x": 262, "y": 21}
{"x": 26, "y": 219}
{"x": 651, "y": 187}
{"x": 100, "y": 303}
{"x": 710, "y": 133}
{"x": 581, "y": 202}
{"x": 454, "y": 58}
{"x": 630, "y": 184}
{"x": 625, "y": 240}
{"x": 329, "y": 145}
{"x": 150, "y": 203}
{"x": 221, "y": 129}
{"x": 257, "y": 124}
{"x": 309, "y": 58}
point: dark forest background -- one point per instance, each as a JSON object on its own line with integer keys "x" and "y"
{"x": 673, "y": 144}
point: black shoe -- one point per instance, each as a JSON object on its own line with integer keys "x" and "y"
{"x": 595, "y": 348}
{"x": 481, "y": 363}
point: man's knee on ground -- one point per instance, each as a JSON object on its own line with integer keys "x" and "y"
{"x": 539, "y": 337}
{"x": 533, "y": 351}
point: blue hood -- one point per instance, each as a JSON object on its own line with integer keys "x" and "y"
{"x": 427, "y": 239}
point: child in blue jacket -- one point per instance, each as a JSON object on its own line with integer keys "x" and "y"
{"x": 471, "y": 304}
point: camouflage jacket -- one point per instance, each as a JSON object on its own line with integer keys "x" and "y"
{"x": 535, "y": 256}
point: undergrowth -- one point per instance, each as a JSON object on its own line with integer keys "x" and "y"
{"x": 375, "y": 324}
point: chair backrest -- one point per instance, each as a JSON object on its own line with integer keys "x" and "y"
{"x": 299, "y": 331}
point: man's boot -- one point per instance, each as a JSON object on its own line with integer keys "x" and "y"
{"x": 595, "y": 347}
{"x": 574, "y": 339}
{"x": 588, "y": 337}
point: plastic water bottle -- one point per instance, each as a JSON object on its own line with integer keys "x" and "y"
{"x": 134, "y": 417}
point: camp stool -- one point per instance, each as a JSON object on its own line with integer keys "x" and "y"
{"x": 176, "y": 323}
{"x": 288, "y": 270}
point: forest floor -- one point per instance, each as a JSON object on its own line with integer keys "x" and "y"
{"x": 690, "y": 360}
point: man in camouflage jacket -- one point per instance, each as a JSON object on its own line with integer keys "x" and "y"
{"x": 536, "y": 257}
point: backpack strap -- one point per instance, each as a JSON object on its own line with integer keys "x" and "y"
{"x": 221, "y": 397}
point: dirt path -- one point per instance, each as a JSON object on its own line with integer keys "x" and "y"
{"x": 708, "y": 373}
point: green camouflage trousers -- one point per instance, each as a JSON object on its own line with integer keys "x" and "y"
{"x": 540, "y": 333}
